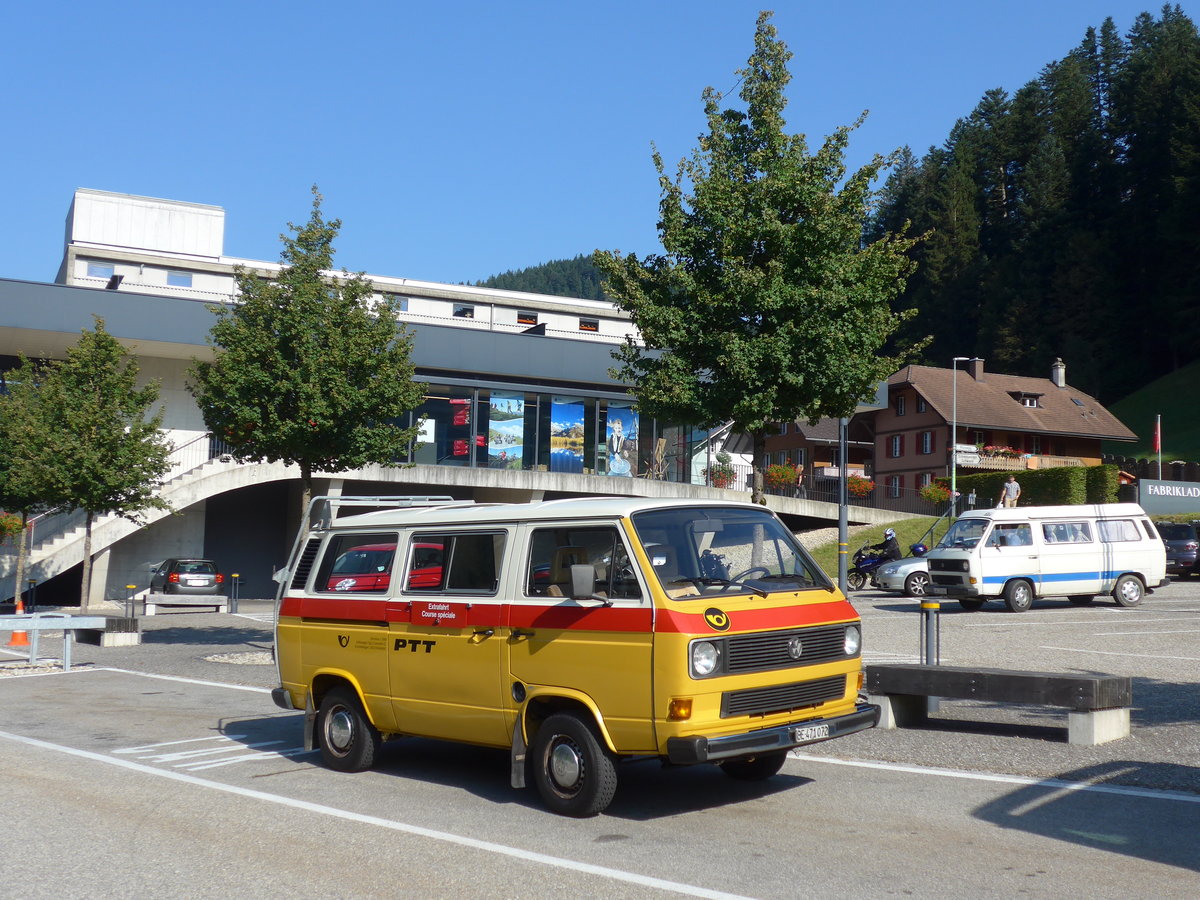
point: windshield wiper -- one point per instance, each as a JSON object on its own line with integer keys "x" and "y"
{"x": 725, "y": 582}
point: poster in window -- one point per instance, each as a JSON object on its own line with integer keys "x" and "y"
{"x": 506, "y": 429}
{"x": 566, "y": 434}
{"x": 621, "y": 442}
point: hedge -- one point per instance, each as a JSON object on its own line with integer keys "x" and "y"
{"x": 1065, "y": 486}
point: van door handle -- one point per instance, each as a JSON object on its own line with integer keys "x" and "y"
{"x": 479, "y": 635}
{"x": 518, "y": 634}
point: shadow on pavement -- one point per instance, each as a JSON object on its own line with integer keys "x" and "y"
{"x": 1156, "y": 828}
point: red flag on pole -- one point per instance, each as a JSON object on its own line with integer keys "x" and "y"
{"x": 1158, "y": 434}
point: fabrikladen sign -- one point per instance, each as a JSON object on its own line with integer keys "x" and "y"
{"x": 1158, "y": 497}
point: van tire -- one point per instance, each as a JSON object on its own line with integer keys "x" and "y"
{"x": 1082, "y": 599}
{"x": 346, "y": 737}
{"x": 572, "y": 768}
{"x": 1129, "y": 591}
{"x": 970, "y": 604}
{"x": 755, "y": 768}
{"x": 1018, "y": 595}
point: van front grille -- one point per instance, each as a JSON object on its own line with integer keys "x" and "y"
{"x": 783, "y": 697}
{"x": 767, "y": 650}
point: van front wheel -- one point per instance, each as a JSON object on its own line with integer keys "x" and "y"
{"x": 1018, "y": 595}
{"x": 573, "y": 770}
{"x": 348, "y": 740}
{"x": 1128, "y": 591}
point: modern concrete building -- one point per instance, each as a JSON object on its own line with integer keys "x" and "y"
{"x": 519, "y": 403}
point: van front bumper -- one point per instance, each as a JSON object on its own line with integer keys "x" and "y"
{"x": 687, "y": 751}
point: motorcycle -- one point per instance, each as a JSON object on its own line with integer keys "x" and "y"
{"x": 866, "y": 561}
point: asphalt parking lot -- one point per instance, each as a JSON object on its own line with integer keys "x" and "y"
{"x": 1157, "y": 645}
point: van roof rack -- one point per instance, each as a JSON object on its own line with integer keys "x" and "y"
{"x": 333, "y": 503}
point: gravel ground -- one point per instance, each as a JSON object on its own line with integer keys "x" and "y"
{"x": 1154, "y": 644}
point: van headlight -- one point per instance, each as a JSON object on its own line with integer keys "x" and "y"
{"x": 705, "y": 658}
{"x": 853, "y": 642}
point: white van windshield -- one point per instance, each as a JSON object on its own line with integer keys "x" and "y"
{"x": 700, "y": 551}
{"x": 963, "y": 534}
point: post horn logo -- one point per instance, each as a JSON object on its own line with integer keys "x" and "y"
{"x": 344, "y": 639}
{"x": 717, "y": 620}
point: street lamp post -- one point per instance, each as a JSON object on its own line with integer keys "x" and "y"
{"x": 954, "y": 429}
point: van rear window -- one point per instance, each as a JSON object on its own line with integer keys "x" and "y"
{"x": 357, "y": 563}
{"x": 1113, "y": 530}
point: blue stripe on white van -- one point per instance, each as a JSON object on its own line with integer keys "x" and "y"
{"x": 1056, "y": 577}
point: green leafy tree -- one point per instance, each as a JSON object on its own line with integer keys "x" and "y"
{"x": 101, "y": 450}
{"x": 766, "y": 305}
{"x": 307, "y": 368}
{"x": 21, "y": 436}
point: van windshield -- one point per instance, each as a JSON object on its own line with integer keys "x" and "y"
{"x": 963, "y": 534}
{"x": 702, "y": 551}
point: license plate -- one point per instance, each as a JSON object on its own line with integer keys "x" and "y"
{"x": 810, "y": 732}
{"x": 197, "y": 582}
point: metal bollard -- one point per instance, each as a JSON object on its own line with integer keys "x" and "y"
{"x": 31, "y": 605}
{"x": 130, "y": 606}
{"x": 233, "y": 596}
{"x": 931, "y": 643}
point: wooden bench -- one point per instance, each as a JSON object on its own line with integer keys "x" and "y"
{"x": 1098, "y": 704}
{"x": 151, "y": 602}
{"x": 36, "y": 623}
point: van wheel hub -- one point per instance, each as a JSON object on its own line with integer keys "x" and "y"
{"x": 340, "y": 730}
{"x": 566, "y": 765}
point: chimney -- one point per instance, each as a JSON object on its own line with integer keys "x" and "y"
{"x": 1058, "y": 373}
{"x": 975, "y": 368}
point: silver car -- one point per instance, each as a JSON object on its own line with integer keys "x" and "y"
{"x": 910, "y": 575}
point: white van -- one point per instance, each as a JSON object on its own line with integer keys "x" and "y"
{"x": 1075, "y": 552}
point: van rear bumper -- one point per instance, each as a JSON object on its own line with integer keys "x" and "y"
{"x": 686, "y": 751}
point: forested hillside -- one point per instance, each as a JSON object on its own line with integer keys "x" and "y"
{"x": 566, "y": 277}
{"x": 1063, "y": 220}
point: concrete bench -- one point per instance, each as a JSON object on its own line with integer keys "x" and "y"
{"x": 151, "y": 602}
{"x": 1098, "y": 704}
{"x": 36, "y": 623}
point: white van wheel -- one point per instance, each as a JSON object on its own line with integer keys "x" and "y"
{"x": 1128, "y": 591}
{"x": 1018, "y": 595}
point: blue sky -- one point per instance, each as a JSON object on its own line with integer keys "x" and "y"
{"x": 460, "y": 139}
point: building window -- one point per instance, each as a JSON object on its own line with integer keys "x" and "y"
{"x": 1029, "y": 401}
{"x": 524, "y": 317}
{"x": 1034, "y": 442}
{"x": 926, "y": 442}
{"x": 922, "y": 406}
{"x": 896, "y": 446}
{"x": 179, "y": 279}
{"x": 980, "y": 438}
{"x": 900, "y": 405}
{"x": 99, "y": 270}
{"x": 894, "y": 485}
{"x": 925, "y": 479}
{"x": 589, "y": 324}
{"x": 464, "y": 311}
{"x": 398, "y": 303}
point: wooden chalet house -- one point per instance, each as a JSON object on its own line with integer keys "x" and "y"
{"x": 1005, "y": 422}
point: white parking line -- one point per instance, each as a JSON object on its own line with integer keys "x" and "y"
{"x": 1042, "y": 623}
{"x": 1110, "y": 653}
{"x": 391, "y": 824}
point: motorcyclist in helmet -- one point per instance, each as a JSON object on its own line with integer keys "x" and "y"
{"x": 890, "y": 546}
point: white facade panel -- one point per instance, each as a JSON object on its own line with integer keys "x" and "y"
{"x": 145, "y": 223}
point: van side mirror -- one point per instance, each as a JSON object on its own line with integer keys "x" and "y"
{"x": 583, "y": 584}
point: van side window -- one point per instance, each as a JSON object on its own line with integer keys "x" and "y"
{"x": 357, "y": 563}
{"x": 1114, "y": 530}
{"x": 1011, "y": 535}
{"x": 552, "y": 552}
{"x": 458, "y": 563}
{"x": 1067, "y": 533}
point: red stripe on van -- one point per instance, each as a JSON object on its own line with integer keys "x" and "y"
{"x": 581, "y": 618}
{"x": 675, "y": 622}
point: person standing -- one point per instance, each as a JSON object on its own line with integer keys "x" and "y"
{"x": 1010, "y": 493}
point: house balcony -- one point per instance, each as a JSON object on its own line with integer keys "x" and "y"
{"x": 1024, "y": 462}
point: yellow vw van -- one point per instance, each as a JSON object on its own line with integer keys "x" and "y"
{"x": 575, "y": 633}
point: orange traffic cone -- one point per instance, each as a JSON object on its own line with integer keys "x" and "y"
{"x": 19, "y": 638}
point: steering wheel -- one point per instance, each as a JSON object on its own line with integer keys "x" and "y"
{"x": 741, "y": 575}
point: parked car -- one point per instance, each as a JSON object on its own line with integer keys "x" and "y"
{"x": 910, "y": 575}
{"x": 1182, "y": 544}
{"x": 187, "y": 576}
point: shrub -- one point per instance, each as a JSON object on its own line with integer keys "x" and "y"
{"x": 857, "y": 486}
{"x": 936, "y": 492}
{"x": 721, "y": 473}
{"x": 781, "y": 476}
